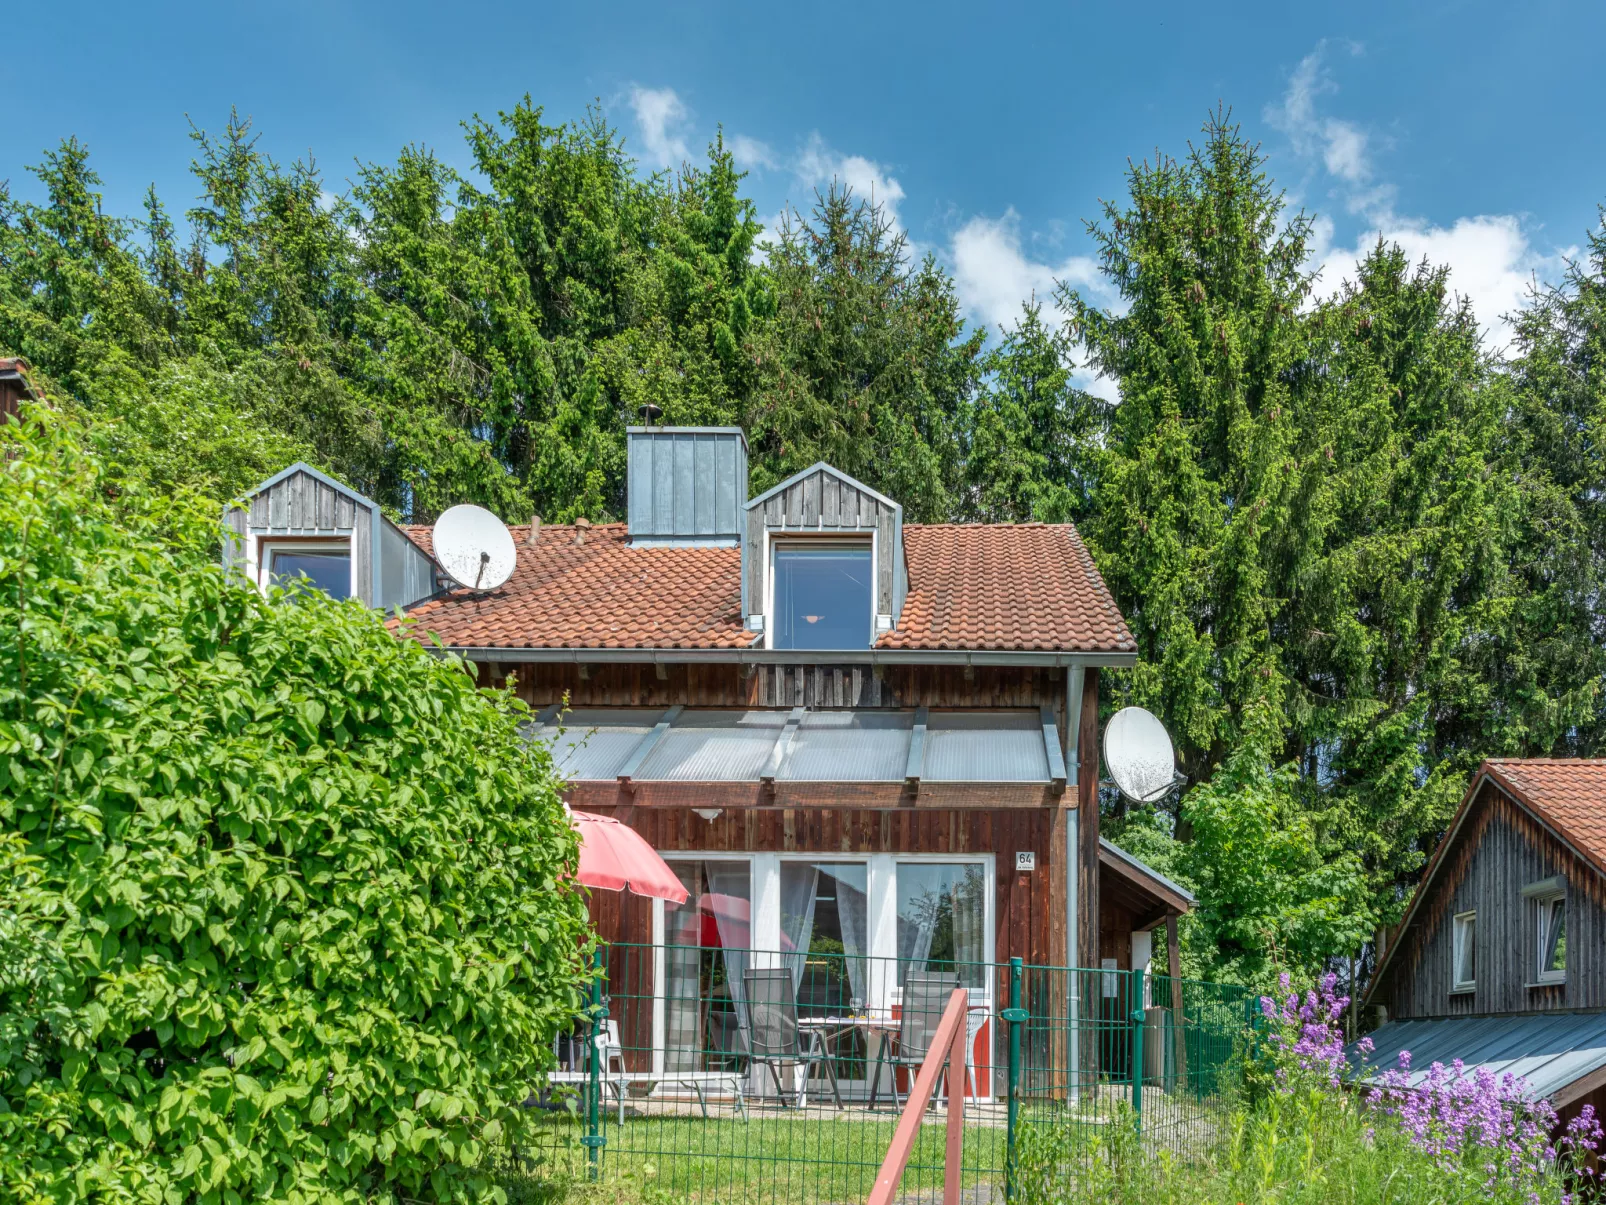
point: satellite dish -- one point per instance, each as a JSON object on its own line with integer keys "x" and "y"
{"x": 1138, "y": 752}
{"x": 474, "y": 548}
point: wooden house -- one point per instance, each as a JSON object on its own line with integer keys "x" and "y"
{"x": 1500, "y": 960}
{"x": 14, "y": 386}
{"x": 820, "y": 715}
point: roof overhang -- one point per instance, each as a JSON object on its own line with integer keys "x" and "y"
{"x": 1169, "y": 898}
{"x": 759, "y": 656}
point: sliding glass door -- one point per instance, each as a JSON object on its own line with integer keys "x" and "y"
{"x": 707, "y": 942}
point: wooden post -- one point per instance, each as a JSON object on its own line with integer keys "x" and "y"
{"x": 947, "y": 1046}
{"x": 953, "y": 1168}
{"x": 1173, "y": 958}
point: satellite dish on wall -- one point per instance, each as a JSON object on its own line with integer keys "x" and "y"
{"x": 1138, "y": 752}
{"x": 474, "y": 547}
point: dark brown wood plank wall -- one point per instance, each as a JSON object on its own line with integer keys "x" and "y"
{"x": 633, "y": 684}
{"x": 1500, "y": 850}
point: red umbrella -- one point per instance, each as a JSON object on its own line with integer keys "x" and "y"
{"x": 614, "y": 857}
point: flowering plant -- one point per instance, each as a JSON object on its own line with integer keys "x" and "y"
{"x": 1484, "y": 1131}
{"x": 1305, "y": 1043}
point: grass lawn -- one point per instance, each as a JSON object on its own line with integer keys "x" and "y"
{"x": 771, "y": 1158}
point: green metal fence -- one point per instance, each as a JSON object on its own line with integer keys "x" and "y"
{"x": 711, "y": 1075}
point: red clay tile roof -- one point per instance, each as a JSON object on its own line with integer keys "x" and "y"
{"x": 1002, "y": 587}
{"x": 602, "y": 593}
{"x": 1567, "y": 793}
{"x": 1010, "y": 586}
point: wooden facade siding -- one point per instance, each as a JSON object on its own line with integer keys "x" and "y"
{"x": 615, "y": 684}
{"x": 637, "y": 684}
{"x": 1500, "y": 850}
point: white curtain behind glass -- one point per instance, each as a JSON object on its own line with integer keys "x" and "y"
{"x": 852, "y": 908}
{"x": 682, "y": 971}
{"x": 731, "y": 898}
{"x": 941, "y": 900}
{"x": 800, "y": 884}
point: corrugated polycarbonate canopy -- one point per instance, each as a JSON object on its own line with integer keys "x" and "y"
{"x": 850, "y": 746}
{"x": 597, "y": 744}
{"x": 714, "y": 746}
{"x": 1549, "y": 1050}
{"x": 594, "y": 743}
{"x": 986, "y": 746}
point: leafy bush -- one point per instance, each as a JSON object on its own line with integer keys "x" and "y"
{"x": 286, "y": 915}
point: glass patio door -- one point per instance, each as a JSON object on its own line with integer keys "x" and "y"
{"x": 707, "y": 942}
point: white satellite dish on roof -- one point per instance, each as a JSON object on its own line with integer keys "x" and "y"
{"x": 474, "y": 547}
{"x": 1138, "y": 751}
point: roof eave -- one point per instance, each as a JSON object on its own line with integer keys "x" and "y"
{"x": 758, "y": 656}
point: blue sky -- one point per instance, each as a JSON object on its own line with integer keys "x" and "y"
{"x": 1470, "y": 132}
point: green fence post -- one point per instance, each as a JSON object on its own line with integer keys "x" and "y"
{"x": 594, "y": 1140}
{"x": 1015, "y": 1015}
{"x": 1137, "y": 1048}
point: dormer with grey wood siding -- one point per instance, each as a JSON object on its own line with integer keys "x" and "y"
{"x": 302, "y": 512}
{"x": 822, "y": 500}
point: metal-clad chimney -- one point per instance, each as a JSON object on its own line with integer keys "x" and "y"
{"x": 686, "y": 485}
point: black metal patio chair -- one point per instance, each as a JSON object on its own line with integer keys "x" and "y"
{"x": 925, "y": 996}
{"x": 775, "y": 1039}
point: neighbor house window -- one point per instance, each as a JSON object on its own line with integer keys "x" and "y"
{"x": 1547, "y": 903}
{"x": 1465, "y": 952}
{"x": 822, "y": 597}
{"x": 326, "y": 564}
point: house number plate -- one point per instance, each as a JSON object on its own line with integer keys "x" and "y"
{"x": 1025, "y": 860}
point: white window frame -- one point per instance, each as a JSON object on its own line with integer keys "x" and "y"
{"x": 1459, "y": 923}
{"x": 881, "y": 920}
{"x": 1541, "y": 897}
{"x": 881, "y": 905}
{"x": 793, "y": 539}
{"x": 266, "y": 546}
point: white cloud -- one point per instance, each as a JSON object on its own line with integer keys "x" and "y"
{"x": 751, "y": 152}
{"x": 818, "y": 165}
{"x": 994, "y": 277}
{"x": 659, "y": 115}
{"x": 1491, "y": 258}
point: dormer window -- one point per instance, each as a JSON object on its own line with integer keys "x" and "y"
{"x": 325, "y": 563}
{"x": 823, "y": 595}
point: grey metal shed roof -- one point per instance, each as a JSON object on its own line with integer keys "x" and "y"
{"x": 1547, "y": 1050}
{"x": 880, "y": 745}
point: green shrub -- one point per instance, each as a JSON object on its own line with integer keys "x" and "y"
{"x": 284, "y": 913}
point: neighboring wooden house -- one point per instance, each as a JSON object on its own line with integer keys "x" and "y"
{"x": 14, "y": 385}
{"x": 1501, "y": 958}
{"x": 820, "y": 714}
